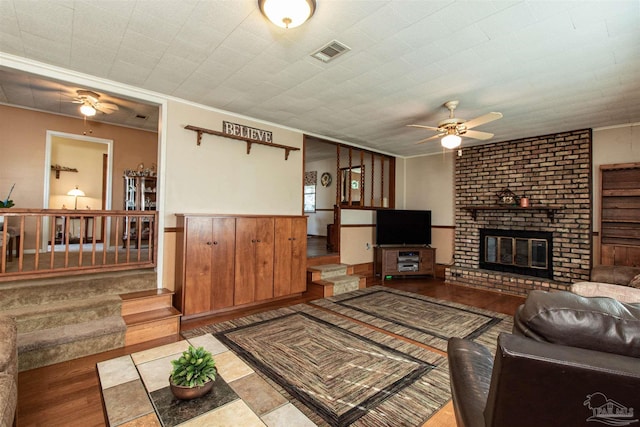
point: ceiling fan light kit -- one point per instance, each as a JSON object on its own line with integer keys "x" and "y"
{"x": 452, "y": 129}
{"x": 90, "y": 103}
{"x": 287, "y": 13}
{"x": 451, "y": 141}
{"x": 87, "y": 110}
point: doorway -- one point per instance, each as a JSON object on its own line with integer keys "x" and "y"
{"x": 77, "y": 174}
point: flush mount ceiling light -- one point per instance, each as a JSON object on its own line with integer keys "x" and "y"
{"x": 287, "y": 13}
{"x": 87, "y": 110}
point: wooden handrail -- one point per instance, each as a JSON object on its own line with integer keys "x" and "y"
{"x": 55, "y": 242}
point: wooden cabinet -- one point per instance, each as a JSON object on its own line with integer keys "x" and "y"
{"x": 225, "y": 261}
{"x": 620, "y": 214}
{"x": 254, "y": 260}
{"x": 290, "y": 256}
{"x": 139, "y": 195}
{"x": 206, "y": 268}
{"x": 404, "y": 260}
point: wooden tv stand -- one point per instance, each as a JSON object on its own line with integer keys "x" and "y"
{"x": 404, "y": 261}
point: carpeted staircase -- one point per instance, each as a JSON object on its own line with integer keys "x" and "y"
{"x": 332, "y": 279}
{"x": 70, "y": 317}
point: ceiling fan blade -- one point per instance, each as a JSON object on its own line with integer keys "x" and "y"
{"x": 429, "y": 139}
{"x": 106, "y": 107}
{"x": 477, "y": 134}
{"x": 489, "y": 117}
{"x": 423, "y": 127}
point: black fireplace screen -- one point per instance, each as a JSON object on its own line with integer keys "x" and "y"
{"x": 515, "y": 251}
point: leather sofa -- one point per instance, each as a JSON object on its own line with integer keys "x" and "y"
{"x": 571, "y": 361}
{"x": 8, "y": 371}
{"x": 610, "y": 281}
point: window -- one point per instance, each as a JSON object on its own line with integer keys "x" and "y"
{"x": 309, "y": 198}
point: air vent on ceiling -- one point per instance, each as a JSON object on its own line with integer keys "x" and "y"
{"x": 330, "y": 51}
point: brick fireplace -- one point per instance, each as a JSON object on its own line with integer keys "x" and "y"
{"x": 554, "y": 173}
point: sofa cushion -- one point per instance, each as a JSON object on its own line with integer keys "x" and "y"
{"x": 8, "y": 400}
{"x": 8, "y": 349}
{"x": 596, "y": 289}
{"x": 617, "y": 274}
{"x": 635, "y": 282}
{"x": 597, "y": 323}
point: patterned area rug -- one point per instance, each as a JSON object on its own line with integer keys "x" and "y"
{"x": 420, "y": 318}
{"x": 336, "y": 371}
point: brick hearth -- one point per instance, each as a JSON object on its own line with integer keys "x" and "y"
{"x": 551, "y": 170}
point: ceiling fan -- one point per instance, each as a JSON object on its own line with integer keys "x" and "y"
{"x": 452, "y": 129}
{"x": 91, "y": 103}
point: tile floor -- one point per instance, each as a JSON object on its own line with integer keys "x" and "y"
{"x": 136, "y": 392}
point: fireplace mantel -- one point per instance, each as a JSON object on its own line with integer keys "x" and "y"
{"x": 549, "y": 209}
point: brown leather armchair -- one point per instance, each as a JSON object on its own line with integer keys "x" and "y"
{"x": 571, "y": 361}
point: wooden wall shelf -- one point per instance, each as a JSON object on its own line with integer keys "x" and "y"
{"x": 287, "y": 149}
{"x": 551, "y": 210}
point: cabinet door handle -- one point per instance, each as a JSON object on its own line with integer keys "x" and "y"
{"x": 258, "y": 241}
{"x": 215, "y": 242}
{"x": 212, "y": 243}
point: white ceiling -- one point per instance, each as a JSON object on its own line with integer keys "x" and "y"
{"x": 548, "y": 66}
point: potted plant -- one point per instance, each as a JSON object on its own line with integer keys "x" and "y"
{"x": 7, "y": 203}
{"x": 193, "y": 374}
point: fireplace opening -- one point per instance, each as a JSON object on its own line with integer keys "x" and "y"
{"x": 516, "y": 251}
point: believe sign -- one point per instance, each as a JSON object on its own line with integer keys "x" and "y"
{"x": 246, "y": 132}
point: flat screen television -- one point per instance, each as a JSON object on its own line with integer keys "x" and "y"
{"x": 403, "y": 227}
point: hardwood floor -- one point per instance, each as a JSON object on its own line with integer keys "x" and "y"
{"x": 68, "y": 393}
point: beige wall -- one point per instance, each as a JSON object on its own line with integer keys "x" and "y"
{"x": 23, "y": 136}
{"x": 219, "y": 176}
{"x": 429, "y": 185}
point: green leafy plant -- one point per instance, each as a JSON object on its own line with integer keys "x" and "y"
{"x": 7, "y": 203}
{"x": 194, "y": 368}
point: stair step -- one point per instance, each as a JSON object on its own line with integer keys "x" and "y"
{"x": 325, "y": 271}
{"x": 47, "y": 316}
{"x": 151, "y": 325}
{"x": 49, "y": 346}
{"x": 45, "y": 291}
{"x": 335, "y": 286}
{"x": 150, "y": 300}
{"x": 150, "y": 316}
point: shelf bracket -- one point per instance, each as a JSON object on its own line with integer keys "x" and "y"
{"x": 287, "y": 149}
{"x": 551, "y": 213}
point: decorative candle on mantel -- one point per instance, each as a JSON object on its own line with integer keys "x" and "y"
{"x": 524, "y": 202}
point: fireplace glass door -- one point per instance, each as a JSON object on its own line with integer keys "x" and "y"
{"x": 529, "y": 253}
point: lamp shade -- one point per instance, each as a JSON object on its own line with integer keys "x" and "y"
{"x": 451, "y": 141}
{"x": 76, "y": 192}
{"x": 87, "y": 110}
{"x": 287, "y": 13}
